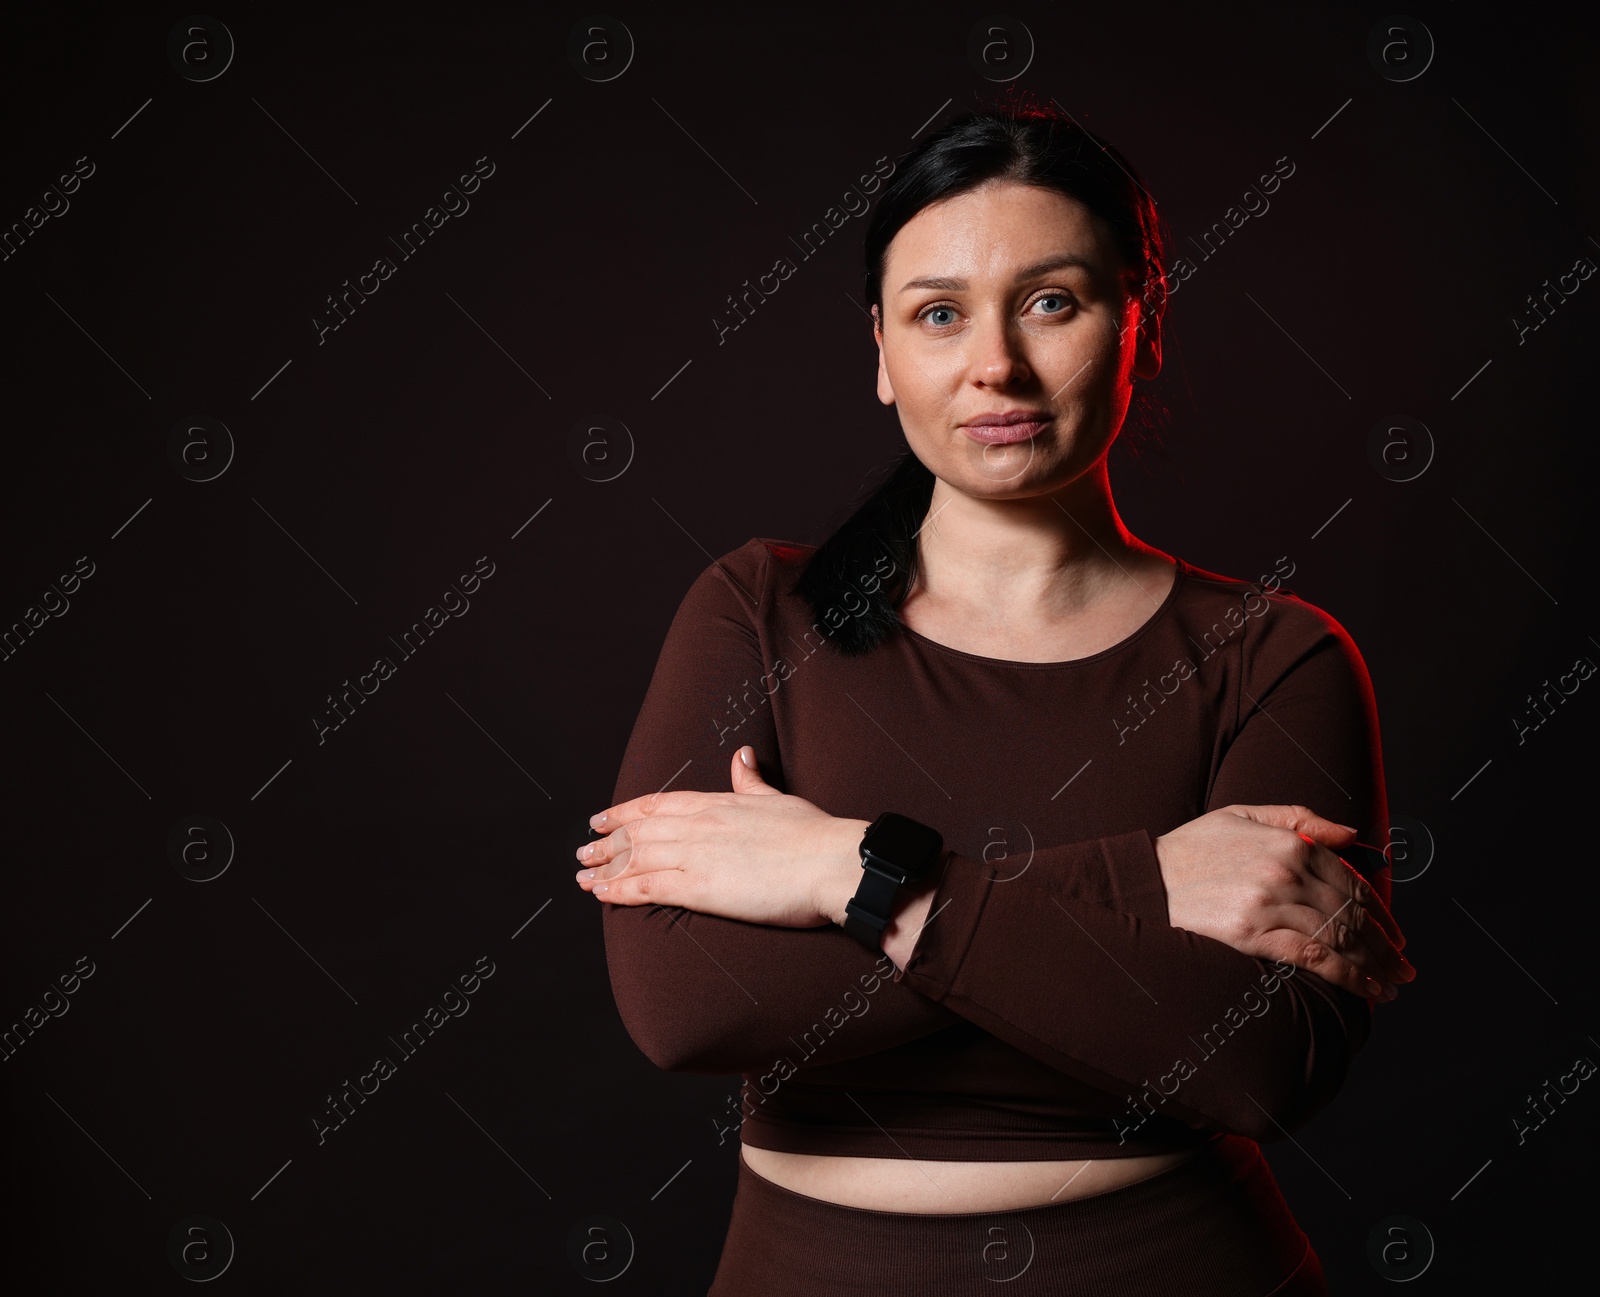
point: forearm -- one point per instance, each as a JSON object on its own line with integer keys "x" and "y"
{"x": 841, "y": 875}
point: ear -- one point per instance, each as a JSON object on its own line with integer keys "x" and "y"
{"x": 1147, "y": 356}
{"x": 885, "y": 388}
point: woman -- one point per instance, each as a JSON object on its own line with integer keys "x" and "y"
{"x": 1056, "y": 1068}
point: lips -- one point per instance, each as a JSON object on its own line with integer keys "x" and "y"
{"x": 1007, "y": 426}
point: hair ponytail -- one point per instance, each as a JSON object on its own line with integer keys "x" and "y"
{"x": 871, "y": 557}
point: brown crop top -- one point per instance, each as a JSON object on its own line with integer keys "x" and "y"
{"x": 1049, "y": 1009}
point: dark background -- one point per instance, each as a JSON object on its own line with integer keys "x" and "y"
{"x": 435, "y": 827}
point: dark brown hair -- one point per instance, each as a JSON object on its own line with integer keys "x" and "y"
{"x": 1019, "y": 141}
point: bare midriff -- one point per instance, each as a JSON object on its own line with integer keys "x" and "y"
{"x": 917, "y": 1185}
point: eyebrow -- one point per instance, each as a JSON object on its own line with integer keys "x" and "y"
{"x": 946, "y": 284}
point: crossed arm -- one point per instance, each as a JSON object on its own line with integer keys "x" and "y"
{"x": 1074, "y": 962}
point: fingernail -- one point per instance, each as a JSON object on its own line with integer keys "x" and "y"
{"x": 598, "y": 888}
{"x": 596, "y": 820}
{"x": 748, "y": 756}
{"x": 1374, "y": 989}
{"x": 586, "y": 874}
{"x": 1391, "y": 993}
{"x": 1349, "y": 828}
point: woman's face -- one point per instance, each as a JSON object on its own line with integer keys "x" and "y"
{"x": 1009, "y": 298}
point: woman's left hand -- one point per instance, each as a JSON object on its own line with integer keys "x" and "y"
{"x": 754, "y": 853}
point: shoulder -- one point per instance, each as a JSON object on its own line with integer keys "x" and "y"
{"x": 1274, "y": 616}
{"x": 1279, "y": 628}
{"x": 754, "y": 574}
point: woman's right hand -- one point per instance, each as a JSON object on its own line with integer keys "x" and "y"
{"x": 1267, "y": 880}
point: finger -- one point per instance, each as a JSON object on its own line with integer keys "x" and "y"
{"x": 678, "y": 802}
{"x": 624, "y": 854}
{"x": 597, "y": 877}
{"x": 742, "y": 777}
{"x": 1342, "y": 906}
{"x": 1319, "y": 862}
{"x": 1334, "y": 870}
{"x": 603, "y": 850}
{"x": 595, "y": 852}
{"x": 657, "y": 887}
{"x": 748, "y": 779}
{"x": 1331, "y": 927}
{"x": 1301, "y": 819}
{"x": 1292, "y": 946}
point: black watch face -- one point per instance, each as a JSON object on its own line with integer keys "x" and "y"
{"x": 903, "y": 843}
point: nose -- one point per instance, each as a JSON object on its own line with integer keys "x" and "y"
{"x": 998, "y": 357}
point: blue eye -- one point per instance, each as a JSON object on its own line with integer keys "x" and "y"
{"x": 1063, "y": 300}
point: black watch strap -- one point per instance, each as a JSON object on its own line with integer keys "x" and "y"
{"x": 895, "y": 850}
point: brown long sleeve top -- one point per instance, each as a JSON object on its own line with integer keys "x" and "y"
{"x": 1049, "y": 1009}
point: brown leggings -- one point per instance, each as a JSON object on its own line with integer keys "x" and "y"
{"x": 1214, "y": 1225}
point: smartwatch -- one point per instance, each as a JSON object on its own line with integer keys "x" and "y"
{"x": 895, "y": 850}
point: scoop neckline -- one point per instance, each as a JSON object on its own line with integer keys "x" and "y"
{"x": 1181, "y": 574}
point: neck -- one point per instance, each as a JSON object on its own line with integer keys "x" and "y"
{"x": 1056, "y": 553}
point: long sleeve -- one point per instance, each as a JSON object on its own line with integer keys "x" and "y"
{"x": 1113, "y": 995}
{"x": 700, "y": 992}
{"x": 703, "y": 993}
